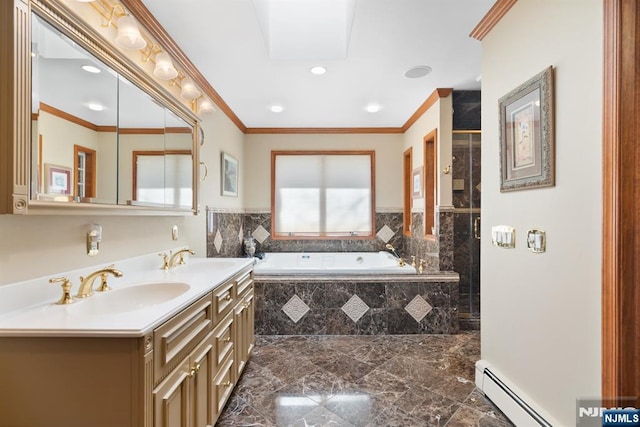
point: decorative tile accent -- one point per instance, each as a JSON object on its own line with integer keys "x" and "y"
{"x": 295, "y": 308}
{"x": 217, "y": 241}
{"x": 260, "y": 234}
{"x": 355, "y": 308}
{"x": 385, "y": 234}
{"x": 418, "y": 308}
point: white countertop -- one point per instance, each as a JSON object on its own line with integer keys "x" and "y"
{"x": 28, "y": 308}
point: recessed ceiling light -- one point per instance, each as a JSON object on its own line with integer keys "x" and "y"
{"x": 277, "y": 108}
{"x": 318, "y": 70}
{"x": 417, "y": 71}
{"x": 91, "y": 69}
{"x": 373, "y": 108}
{"x": 95, "y": 107}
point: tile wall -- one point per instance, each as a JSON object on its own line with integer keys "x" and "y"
{"x": 225, "y": 232}
{"x": 360, "y": 306}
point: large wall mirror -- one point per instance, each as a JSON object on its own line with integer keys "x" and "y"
{"x": 98, "y": 138}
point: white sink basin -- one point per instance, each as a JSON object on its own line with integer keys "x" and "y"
{"x": 128, "y": 299}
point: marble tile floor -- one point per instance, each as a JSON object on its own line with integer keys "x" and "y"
{"x": 385, "y": 380}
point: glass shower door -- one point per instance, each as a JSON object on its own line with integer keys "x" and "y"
{"x": 466, "y": 150}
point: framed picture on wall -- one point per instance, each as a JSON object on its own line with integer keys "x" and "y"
{"x": 229, "y": 179}
{"x": 527, "y": 146}
{"x": 416, "y": 179}
{"x": 57, "y": 179}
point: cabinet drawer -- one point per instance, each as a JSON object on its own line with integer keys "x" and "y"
{"x": 177, "y": 337}
{"x": 223, "y": 383}
{"x": 224, "y": 338}
{"x": 223, "y": 297}
{"x": 244, "y": 283}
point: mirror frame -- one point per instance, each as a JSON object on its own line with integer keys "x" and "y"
{"x": 15, "y": 142}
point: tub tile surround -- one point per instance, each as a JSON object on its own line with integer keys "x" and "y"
{"x": 357, "y": 305}
{"x": 223, "y": 234}
{"x": 258, "y": 224}
{"x": 410, "y": 380}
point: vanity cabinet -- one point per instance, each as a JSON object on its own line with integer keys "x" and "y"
{"x": 180, "y": 374}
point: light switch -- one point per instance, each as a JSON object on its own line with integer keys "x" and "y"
{"x": 536, "y": 241}
{"x": 503, "y": 236}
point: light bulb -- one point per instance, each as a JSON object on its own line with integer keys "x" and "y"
{"x": 189, "y": 89}
{"x": 129, "y": 36}
{"x": 164, "y": 67}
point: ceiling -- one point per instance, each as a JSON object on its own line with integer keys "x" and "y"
{"x": 258, "y": 53}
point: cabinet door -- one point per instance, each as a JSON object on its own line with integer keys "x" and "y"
{"x": 171, "y": 398}
{"x": 202, "y": 371}
{"x": 240, "y": 338}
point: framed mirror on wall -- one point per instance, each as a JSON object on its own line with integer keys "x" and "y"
{"x": 114, "y": 143}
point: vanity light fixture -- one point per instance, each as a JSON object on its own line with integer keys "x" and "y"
{"x": 318, "y": 70}
{"x": 129, "y": 36}
{"x": 91, "y": 69}
{"x": 277, "y": 109}
{"x": 189, "y": 89}
{"x": 205, "y": 105}
{"x": 164, "y": 67}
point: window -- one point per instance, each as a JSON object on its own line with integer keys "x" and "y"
{"x": 163, "y": 177}
{"x": 430, "y": 182}
{"x": 85, "y": 172}
{"x": 322, "y": 194}
{"x": 407, "y": 193}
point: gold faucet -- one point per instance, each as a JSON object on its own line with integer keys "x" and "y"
{"x": 179, "y": 256}
{"x": 165, "y": 260}
{"x": 86, "y": 283}
{"x": 423, "y": 264}
{"x": 66, "y": 290}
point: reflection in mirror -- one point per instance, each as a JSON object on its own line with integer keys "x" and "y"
{"x": 155, "y": 153}
{"x": 141, "y": 131}
{"x": 74, "y": 119}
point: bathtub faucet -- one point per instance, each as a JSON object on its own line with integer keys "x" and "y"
{"x": 391, "y": 249}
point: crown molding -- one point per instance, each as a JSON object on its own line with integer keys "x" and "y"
{"x": 493, "y": 16}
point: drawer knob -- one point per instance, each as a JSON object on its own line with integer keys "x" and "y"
{"x": 194, "y": 370}
{"x": 228, "y": 297}
{"x": 227, "y": 339}
{"x": 226, "y": 384}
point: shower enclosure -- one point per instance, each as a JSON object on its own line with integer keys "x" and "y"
{"x": 466, "y": 240}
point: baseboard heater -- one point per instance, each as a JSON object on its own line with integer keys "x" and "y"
{"x": 506, "y": 399}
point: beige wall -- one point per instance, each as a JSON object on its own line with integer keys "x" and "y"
{"x": 257, "y": 165}
{"x": 221, "y": 134}
{"x": 541, "y": 312}
{"x": 440, "y": 118}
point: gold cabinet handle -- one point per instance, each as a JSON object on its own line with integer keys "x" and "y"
{"x": 194, "y": 370}
{"x": 228, "y": 297}
{"x": 227, "y": 340}
{"x": 226, "y": 384}
{"x": 476, "y": 228}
